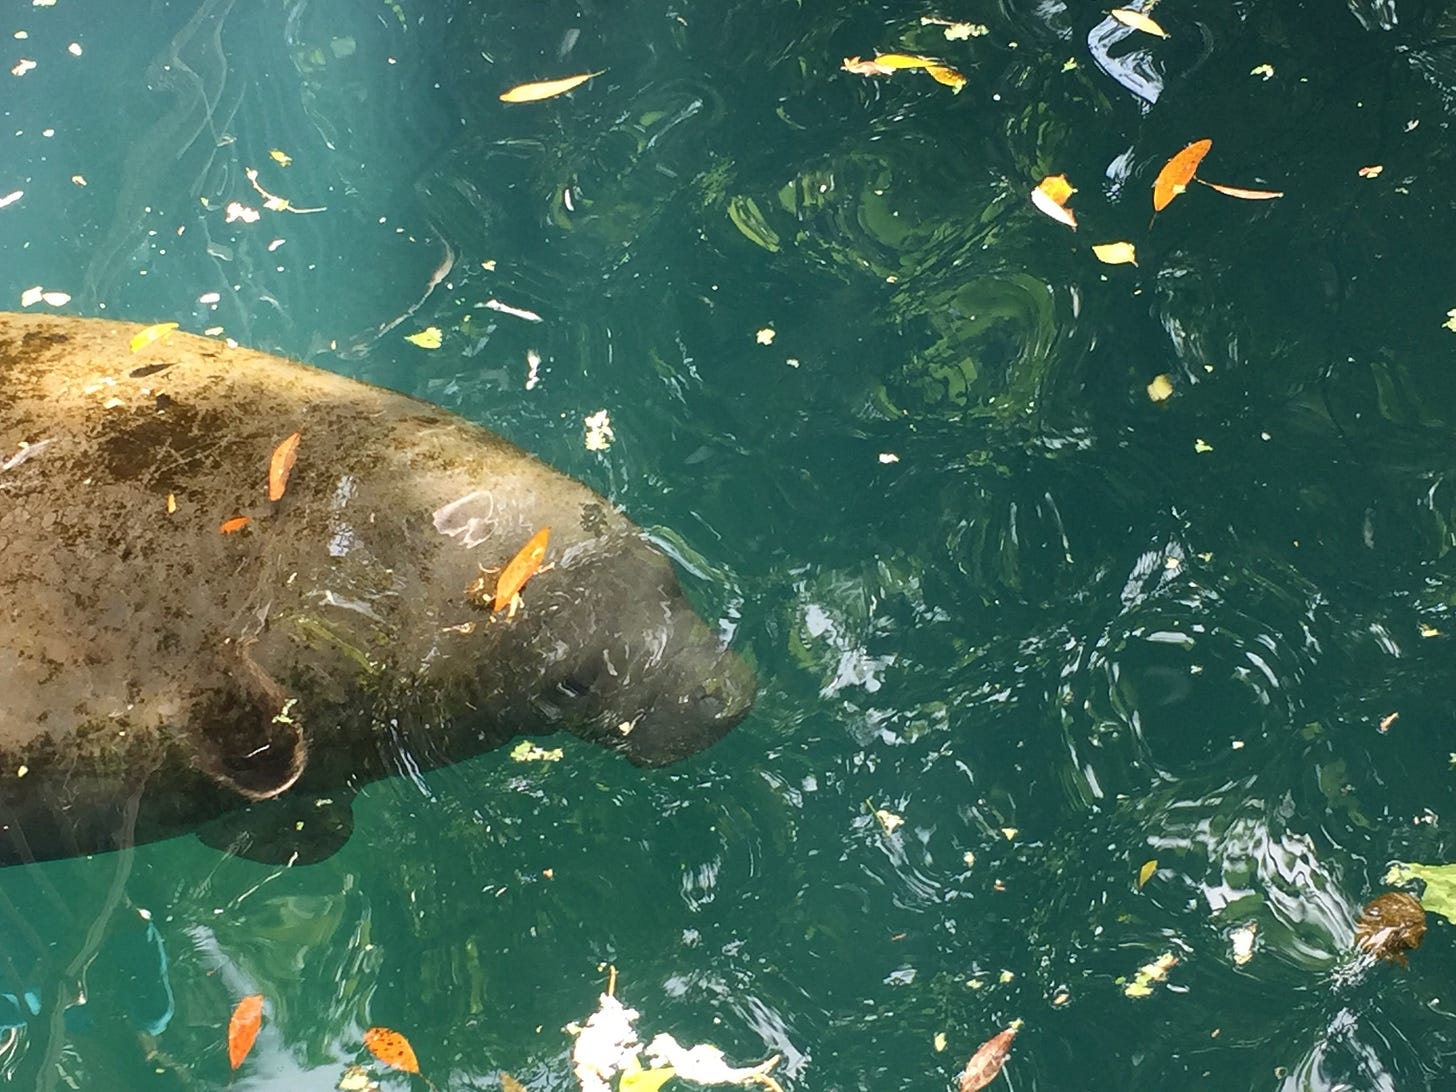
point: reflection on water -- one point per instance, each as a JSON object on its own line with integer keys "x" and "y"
{"x": 988, "y": 585}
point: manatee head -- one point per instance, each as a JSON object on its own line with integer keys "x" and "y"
{"x": 604, "y": 644}
{"x": 624, "y": 659}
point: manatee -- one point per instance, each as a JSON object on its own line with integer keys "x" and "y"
{"x": 160, "y": 676}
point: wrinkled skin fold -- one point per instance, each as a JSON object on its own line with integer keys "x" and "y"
{"x": 153, "y": 665}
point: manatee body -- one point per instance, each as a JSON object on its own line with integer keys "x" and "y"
{"x": 157, "y": 674}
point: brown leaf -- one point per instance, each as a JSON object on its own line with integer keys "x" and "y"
{"x": 987, "y": 1061}
{"x": 1173, "y": 179}
{"x": 1391, "y": 925}
{"x": 279, "y": 466}
{"x": 392, "y": 1048}
{"x": 243, "y": 1027}
{"x": 510, "y": 1084}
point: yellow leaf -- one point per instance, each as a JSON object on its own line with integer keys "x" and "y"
{"x": 1116, "y": 253}
{"x": 1138, "y": 21}
{"x": 428, "y": 338}
{"x": 1146, "y": 872}
{"x": 1243, "y": 194}
{"x": 283, "y": 159}
{"x": 546, "y": 89}
{"x": 1161, "y": 388}
{"x": 949, "y": 76}
{"x": 903, "y": 60}
{"x": 1450, "y": 322}
{"x": 637, "y": 1079}
{"x": 157, "y": 332}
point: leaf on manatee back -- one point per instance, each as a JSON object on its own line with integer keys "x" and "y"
{"x": 243, "y": 1027}
{"x": 546, "y": 89}
{"x": 158, "y": 331}
{"x": 521, "y": 568}
{"x": 510, "y": 1084}
{"x": 988, "y": 1059}
{"x": 392, "y": 1048}
{"x": 1173, "y": 179}
{"x": 1243, "y": 194}
{"x": 280, "y": 465}
{"x": 1050, "y": 197}
{"x": 234, "y": 525}
{"x": 1138, "y": 21}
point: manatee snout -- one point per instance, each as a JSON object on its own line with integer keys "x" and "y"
{"x": 690, "y": 717}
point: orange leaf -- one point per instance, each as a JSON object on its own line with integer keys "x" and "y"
{"x": 391, "y": 1048}
{"x": 1173, "y": 179}
{"x": 521, "y": 568}
{"x": 234, "y": 525}
{"x": 279, "y": 466}
{"x": 243, "y": 1027}
{"x": 1246, "y": 195}
{"x": 986, "y": 1062}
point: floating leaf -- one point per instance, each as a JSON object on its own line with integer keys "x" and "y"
{"x": 282, "y": 158}
{"x": 546, "y": 89}
{"x": 1146, "y": 872}
{"x": 946, "y": 75}
{"x": 861, "y": 67}
{"x": 234, "y": 525}
{"x": 521, "y": 568}
{"x": 1138, "y": 21}
{"x": 1173, "y": 179}
{"x": 1116, "y": 253}
{"x": 1439, "y": 897}
{"x": 280, "y": 465}
{"x": 1150, "y": 973}
{"x": 903, "y": 60}
{"x": 986, "y": 1062}
{"x": 428, "y": 338}
{"x": 637, "y": 1079}
{"x": 1051, "y": 196}
{"x": 392, "y": 1048}
{"x": 243, "y": 1027}
{"x": 1391, "y": 925}
{"x": 1372, "y": 171}
{"x": 510, "y": 1084}
{"x": 1243, "y": 194}
{"x": 1242, "y": 939}
{"x": 159, "y": 331}
{"x": 1161, "y": 388}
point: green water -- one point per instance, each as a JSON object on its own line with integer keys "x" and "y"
{"x": 989, "y": 585}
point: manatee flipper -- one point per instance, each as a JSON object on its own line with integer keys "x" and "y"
{"x": 296, "y": 828}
